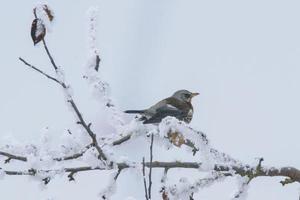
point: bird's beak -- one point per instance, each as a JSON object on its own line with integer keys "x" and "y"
{"x": 195, "y": 94}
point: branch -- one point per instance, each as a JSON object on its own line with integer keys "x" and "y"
{"x": 88, "y": 129}
{"x": 118, "y": 173}
{"x": 125, "y": 138}
{"x": 97, "y": 62}
{"x": 75, "y": 155}
{"x": 121, "y": 140}
{"x": 144, "y": 179}
{"x": 150, "y": 172}
{"x": 70, "y": 100}
{"x": 75, "y": 108}
{"x": 11, "y": 156}
{"x": 49, "y": 55}
{"x": 40, "y": 71}
{"x": 289, "y": 172}
{"x": 64, "y": 158}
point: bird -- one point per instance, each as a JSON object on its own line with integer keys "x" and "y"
{"x": 178, "y": 105}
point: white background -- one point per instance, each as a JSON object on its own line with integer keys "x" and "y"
{"x": 242, "y": 56}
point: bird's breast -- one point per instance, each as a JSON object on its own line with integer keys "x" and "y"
{"x": 190, "y": 112}
{"x": 189, "y": 116}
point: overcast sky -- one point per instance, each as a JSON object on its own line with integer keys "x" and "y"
{"x": 242, "y": 56}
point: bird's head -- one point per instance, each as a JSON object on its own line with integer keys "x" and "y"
{"x": 184, "y": 95}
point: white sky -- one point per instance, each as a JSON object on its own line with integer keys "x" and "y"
{"x": 242, "y": 56}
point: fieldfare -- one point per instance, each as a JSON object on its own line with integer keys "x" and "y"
{"x": 178, "y": 106}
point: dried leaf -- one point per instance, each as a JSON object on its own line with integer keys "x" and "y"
{"x": 176, "y": 138}
{"x": 165, "y": 196}
{"x": 48, "y": 12}
{"x": 38, "y": 30}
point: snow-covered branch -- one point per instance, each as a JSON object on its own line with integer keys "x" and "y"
{"x": 245, "y": 171}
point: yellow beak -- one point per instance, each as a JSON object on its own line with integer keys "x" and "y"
{"x": 195, "y": 94}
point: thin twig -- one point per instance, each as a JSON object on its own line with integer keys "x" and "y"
{"x": 121, "y": 140}
{"x": 24, "y": 159}
{"x": 75, "y": 108}
{"x": 144, "y": 178}
{"x": 12, "y": 156}
{"x": 125, "y": 138}
{"x": 40, "y": 71}
{"x": 97, "y": 62}
{"x": 75, "y": 155}
{"x": 118, "y": 173}
{"x": 71, "y": 101}
{"x": 49, "y": 55}
{"x": 87, "y": 127}
{"x": 245, "y": 170}
{"x": 150, "y": 170}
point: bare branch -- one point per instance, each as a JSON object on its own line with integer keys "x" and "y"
{"x": 64, "y": 158}
{"x": 75, "y": 108}
{"x": 289, "y": 172}
{"x": 49, "y": 55}
{"x": 75, "y": 155}
{"x": 125, "y": 138}
{"x": 150, "y": 171}
{"x": 118, "y": 173}
{"x": 12, "y": 156}
{"x": 144, "y": 178}
{"x": 97, "y": 62}
{"x": 40, "y": 71}
{"x": 121, "y": 140}
{"x": 71, "y": 101}
{"x": 88, "y": 129}
{"x": 287, "y": 181}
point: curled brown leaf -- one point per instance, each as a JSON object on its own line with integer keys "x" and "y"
{"x": 38, "y": 30}
{"x": 48, "y": 12}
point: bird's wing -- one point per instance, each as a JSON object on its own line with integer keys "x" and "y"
{"x": 164, "y": 111}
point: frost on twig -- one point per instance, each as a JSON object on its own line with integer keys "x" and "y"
{"x": 241, "y": 193}
{"x": 144, "y": 179}
{"x": 111, "y": 188}
{"x": 185, "y": 190}
{"x": 68, "y": 94}
{"x": 100, "y": 89}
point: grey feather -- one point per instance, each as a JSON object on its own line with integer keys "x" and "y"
{"x": 134, "y": 111}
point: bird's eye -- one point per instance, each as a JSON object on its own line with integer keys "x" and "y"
{"x": 187, "y": 95}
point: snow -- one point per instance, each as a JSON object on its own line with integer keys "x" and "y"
{"x": 243, "y": 185}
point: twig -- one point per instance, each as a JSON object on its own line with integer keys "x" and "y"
{"x": 118, "y": 173}
{"x": 150, "y": 170}
{"x": 144, "y": 178}
{"x": 287, "y": 181}
{"x": 121, "y": 140}
{"x": 69, "y": 131}
{"x": 125, "y": 138}
{"x": 12, "y": 156}
{"x": 97, "y": 62}
{"x": 75, "y": 155}
{"x": 70, "y": 100}
{"x": 290, "y": 172}
{"x": 40, "y": 71}
{"x": 49, "y": 55}
{"x": 24, "y": 159}
{"x": 75, "y": 108}
{"x": 88, "y": 129}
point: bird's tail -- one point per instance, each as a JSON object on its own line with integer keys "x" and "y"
{"x": 134, "y": 111}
